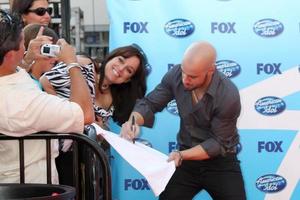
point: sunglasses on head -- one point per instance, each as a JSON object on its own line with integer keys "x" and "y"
{"x": 41, "y": 11}
{"x": 147, "y": 65}
{"x": 5, "y": 17}
{"x": 6, "y": 23}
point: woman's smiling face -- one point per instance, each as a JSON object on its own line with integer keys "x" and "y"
{"x": 119, "y": 69}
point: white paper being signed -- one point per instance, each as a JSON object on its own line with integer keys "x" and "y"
{"x": 150, "y": 163}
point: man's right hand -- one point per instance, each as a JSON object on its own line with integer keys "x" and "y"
{"x": 34, "y": 46}
{"x": 67, "y": 52}
{"x": 129, "y": 130}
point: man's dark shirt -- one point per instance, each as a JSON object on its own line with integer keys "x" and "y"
{"x": 211, "y": 122}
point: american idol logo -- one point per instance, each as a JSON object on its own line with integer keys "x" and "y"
{"x": 270, "y": 183}
{"x": 270, "y": 105}
{"x": 228, "y": 67}
{"x": 172, "y": 107}
{"x": 179, "y": 28}
{"x": 268, "y": 27}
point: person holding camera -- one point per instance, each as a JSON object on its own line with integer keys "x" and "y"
{"x": 43, "y": 63}
{"x": 25, "y": 109}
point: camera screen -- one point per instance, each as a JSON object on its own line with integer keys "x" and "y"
{"x": 46, "y": 49}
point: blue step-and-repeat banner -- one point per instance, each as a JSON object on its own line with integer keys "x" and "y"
{"x": 258, "y": 45}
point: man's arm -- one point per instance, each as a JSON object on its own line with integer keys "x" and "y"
{"x": 80, "y": 92}
{"x": 146, "y": 108}
{"x": 225, "y": 135}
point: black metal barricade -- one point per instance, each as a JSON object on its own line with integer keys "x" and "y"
{"x": 96, "y": 167}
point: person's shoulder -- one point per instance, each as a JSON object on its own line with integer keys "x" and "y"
{"x": 226, "y": 82}
{"x": 21, "y": 72}
{"x": 173, "y": 70}
{"x": 21, "y": 76}
{"x": 222, "y": 88}
{"x": 172, "y": 74}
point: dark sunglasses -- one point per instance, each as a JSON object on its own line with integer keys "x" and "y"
{"x": 5, "y": 17}
{"x": 6, "y": 21}
{"x": 41, "y": 11}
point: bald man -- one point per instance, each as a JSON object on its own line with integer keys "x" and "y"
{"x": 209, "y": 106}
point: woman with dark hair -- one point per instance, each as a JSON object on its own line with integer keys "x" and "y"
{"x": 33, "y": 11}
{"x": 122, "y": 80}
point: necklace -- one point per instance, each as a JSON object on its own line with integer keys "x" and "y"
{"x": 195, "y": 97}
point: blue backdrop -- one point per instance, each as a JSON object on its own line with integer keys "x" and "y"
{"x": 258, "y": 48}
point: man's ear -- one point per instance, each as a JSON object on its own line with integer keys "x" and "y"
{"x": 212, "y": 68}
{"x": 8, "y": 56}
{"x": 23, "y": 18}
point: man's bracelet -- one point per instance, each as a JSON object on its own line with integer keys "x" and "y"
{"x": 71, "y": 65}
{"x": 180, "y": 154}
{"x": 26, "y": 65}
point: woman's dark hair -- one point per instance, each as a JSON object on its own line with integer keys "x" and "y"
{"x": 31, "y": 31}
{"x": 125, "y": 95}
{"x": 10, "y": 37}
{"x": 21, "y": 6}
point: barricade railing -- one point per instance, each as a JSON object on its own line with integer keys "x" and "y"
{"x": 103, "y": 183}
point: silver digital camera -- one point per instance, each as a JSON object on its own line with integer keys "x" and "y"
{"x": 50, "y": 50}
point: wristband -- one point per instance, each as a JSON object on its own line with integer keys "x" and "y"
{"x": 26, "y": 65}
{"x": 181, "y": 157}
{"x": 71, "y": 65}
